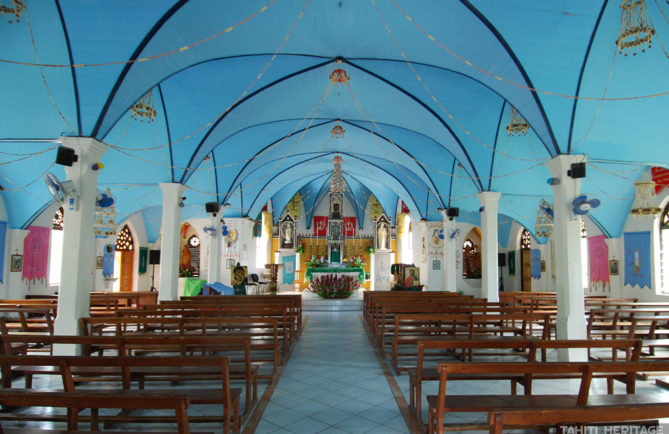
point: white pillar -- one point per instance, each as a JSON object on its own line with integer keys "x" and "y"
{"x": 77, "y": 270}
{"x": 169, "y": 245}
{"x": 450, "y": 250}
{"x": 489, "y": 271}
{"x": 214, "y": 249}
{"x": 372, "y": 272}
{"x": 567, "y": 235}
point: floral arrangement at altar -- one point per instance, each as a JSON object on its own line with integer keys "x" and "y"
{"x": 315, "y": 262}
{"x": 354, "y": 262}
{"x": 333, "y": 286}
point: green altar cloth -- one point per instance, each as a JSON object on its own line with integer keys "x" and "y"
{"x": 193, "y": 287}
{"x": 334, "y": 270}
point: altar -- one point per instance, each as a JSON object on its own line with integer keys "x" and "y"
{"x": 357, "y": 273}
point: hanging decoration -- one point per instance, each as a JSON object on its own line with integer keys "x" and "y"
{"x": 320, "y": 226}
{"x": 257, "y": 226}
{"x": 294, "y": 206}
{"x": 435, "y": 244}
{"x": 512, "y": 262}
{"x": 660, "y": 177}
{"x": 105, "y": 216}
{"x": 637, "y": 258}
{"x": 544, "y": 225}
{"x": 268, "y": 222}
{"x": 375, "y": 208}
{"x": 517, "y": 124}
{"x": 337, "y": 183}
{"x": 636, "y": 32}
{"x": 13, "y": 12}
{"x": 349, "y": 226}
{"x": 108, "y": 261}
{"x": 598, "y": 257}
{"x": 143, "y": 260}
{"x": 535, "y": 257}
{"x": 644, "y": 197}
{"x": 399, "y": 224}
{"x": 143, "y": 109}
{"x": 36, "y": 248}
{"x": 288, "y": 269}
{"x": 339, "y": 76}
{"x": 337, "y": 132}
{"x": 3, "y": 234}
{"x": 231, "y": 242}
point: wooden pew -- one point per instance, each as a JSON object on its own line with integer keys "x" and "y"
{"x": 550, "y": 416}
{"x": 441, "y": 403}
{"x": 126, "y": 369}
{"x": 527, "y": 349}
{"x": 236, "y": 348}
{"x": 76, "y": 401}
{"x": 33, "y": 319}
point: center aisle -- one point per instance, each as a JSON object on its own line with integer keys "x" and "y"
{"x": 332, "y": 383}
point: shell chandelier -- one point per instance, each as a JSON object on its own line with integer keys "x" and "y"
{"x": 15, "y": 10}
{"x": 544, "y": 225}
{"x": 636, "y": 32}
{"x": 644, "y": 198}
{"x": 143, "y": 109}
{"x": 517, "y": 124}
{"x": 337, "y": 183}
{"x": 337, "y": 132}
{"x": 339, "y": 76}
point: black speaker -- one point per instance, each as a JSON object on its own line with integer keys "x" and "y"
{"x": 453, "y": 212}
{"x": 154, "y": 257}
{"x": 212, "y": 207}
{"x": 66, "y": 156}
{"x": 577, "y": 170}
{"x": 501, "y": 259}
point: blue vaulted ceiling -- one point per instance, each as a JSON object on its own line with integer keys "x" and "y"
{"x": 245, "y": 104}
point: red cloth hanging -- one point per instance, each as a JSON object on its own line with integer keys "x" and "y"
{"x": 349, "y": 226}
{"x": 320, "y": 226}
{"x": 36, "y": 254}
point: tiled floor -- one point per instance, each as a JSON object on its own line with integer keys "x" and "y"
{"x": 332, "y": 383}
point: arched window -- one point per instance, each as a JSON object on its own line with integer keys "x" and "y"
{"x": 525, "y": 240}
{"x": 664, "y": 250}
{"x": 471, "y": 260}
{"x": 194, "y": 241}
{"x": 124, "y": 260}
{"x": 56, "y": 248}
{"x": 124, "y": 241}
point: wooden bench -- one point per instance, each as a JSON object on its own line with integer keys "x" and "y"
{"x": 76, "y": 401}
{"x": 33, "y": 319}
{"x": 236, "y": 348}
{"x": 442, "y": 403}
{"x": 550, "y": 416}
{"x": 124, "y": 369}
{"x": 527, "y": 349}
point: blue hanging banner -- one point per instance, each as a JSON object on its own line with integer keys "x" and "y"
{"x": 108, "y": 261}
{"x": 536, "y": 263}
{"x": 3, "y": 233}
{"x": 637, "y": 259}
{"x": 288, "y": 269}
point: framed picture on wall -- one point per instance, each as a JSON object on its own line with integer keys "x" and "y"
{"x": 17, "y": 263}
{"x": 98, "y": 263}
{"x": 613, "y": 267}
{"x": 543, "y": 266}
{"x": 436, "y": 264}
{"x": 229, "y": 263}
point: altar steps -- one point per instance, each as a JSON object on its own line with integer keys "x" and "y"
{"x": 313, "y": 303}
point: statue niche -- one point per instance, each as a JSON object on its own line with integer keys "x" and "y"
{"x": 287, "y": 232}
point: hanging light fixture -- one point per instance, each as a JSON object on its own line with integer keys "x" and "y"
{"x": 337, "y": 132}
{"x": 339, "y": 76}
{"x": 517, "y": 124}
{"x": 544, "y": 226}
{"x": 143, "y": 108}
{"x": 337, "y": 183}
{"x": 105, "y": 217}
{"x": 644, "y": 197}
{"x": 636, "y": 32}
{"x": 15, "y": 10}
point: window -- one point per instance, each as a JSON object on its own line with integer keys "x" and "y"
{"x": 124, "y": 240}
{"x": 525, "y": 240}
{"x": 194, "y": 241}
{"x": 664, "y": 250}
{"x": 56, "y": 248}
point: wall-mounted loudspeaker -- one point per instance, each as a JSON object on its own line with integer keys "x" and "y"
{"x": 211, "y": 207}
{"x": 66, "y": 156}
{"x": 453, "y": 212}
{"x": 501, "y": 259}
{"x": 577, "y": 170}
{"x": 154, "y": 257}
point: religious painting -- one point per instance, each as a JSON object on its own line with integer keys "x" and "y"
{"x": 613, "y": 267}
{"x": 543, "y": 266}
{"x": 17, "y": 263}
{"x": 436, "y": 264}
{"x": 98, "y": 262}
{"x": 229, "y": 263}
{"x": 411, "y": 276}
{"x": 435, "y": 239}
{"x": 238, "y": 275}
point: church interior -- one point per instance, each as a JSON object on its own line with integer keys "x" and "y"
{"x": 333, "y": 208}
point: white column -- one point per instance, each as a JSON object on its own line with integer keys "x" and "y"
{"x": 489, "y": 271}
{"x": 450, "y": 250}
{"x": 372, "y": 272}
{"x": 214, "y": 249}
{"x": 169, "y": 245}
{"x": 567, "y": 235}
{"x": 77, "y": 270}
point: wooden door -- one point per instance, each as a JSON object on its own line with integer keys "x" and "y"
{"x": 526, "y": 267}
{"x": 127, "y": 260}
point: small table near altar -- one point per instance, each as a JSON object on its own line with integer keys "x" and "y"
{"x": 358, "y": 273}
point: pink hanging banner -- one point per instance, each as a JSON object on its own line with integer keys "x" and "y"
{"x": 36, "y": 254}
{"x": 598, "y": 254}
